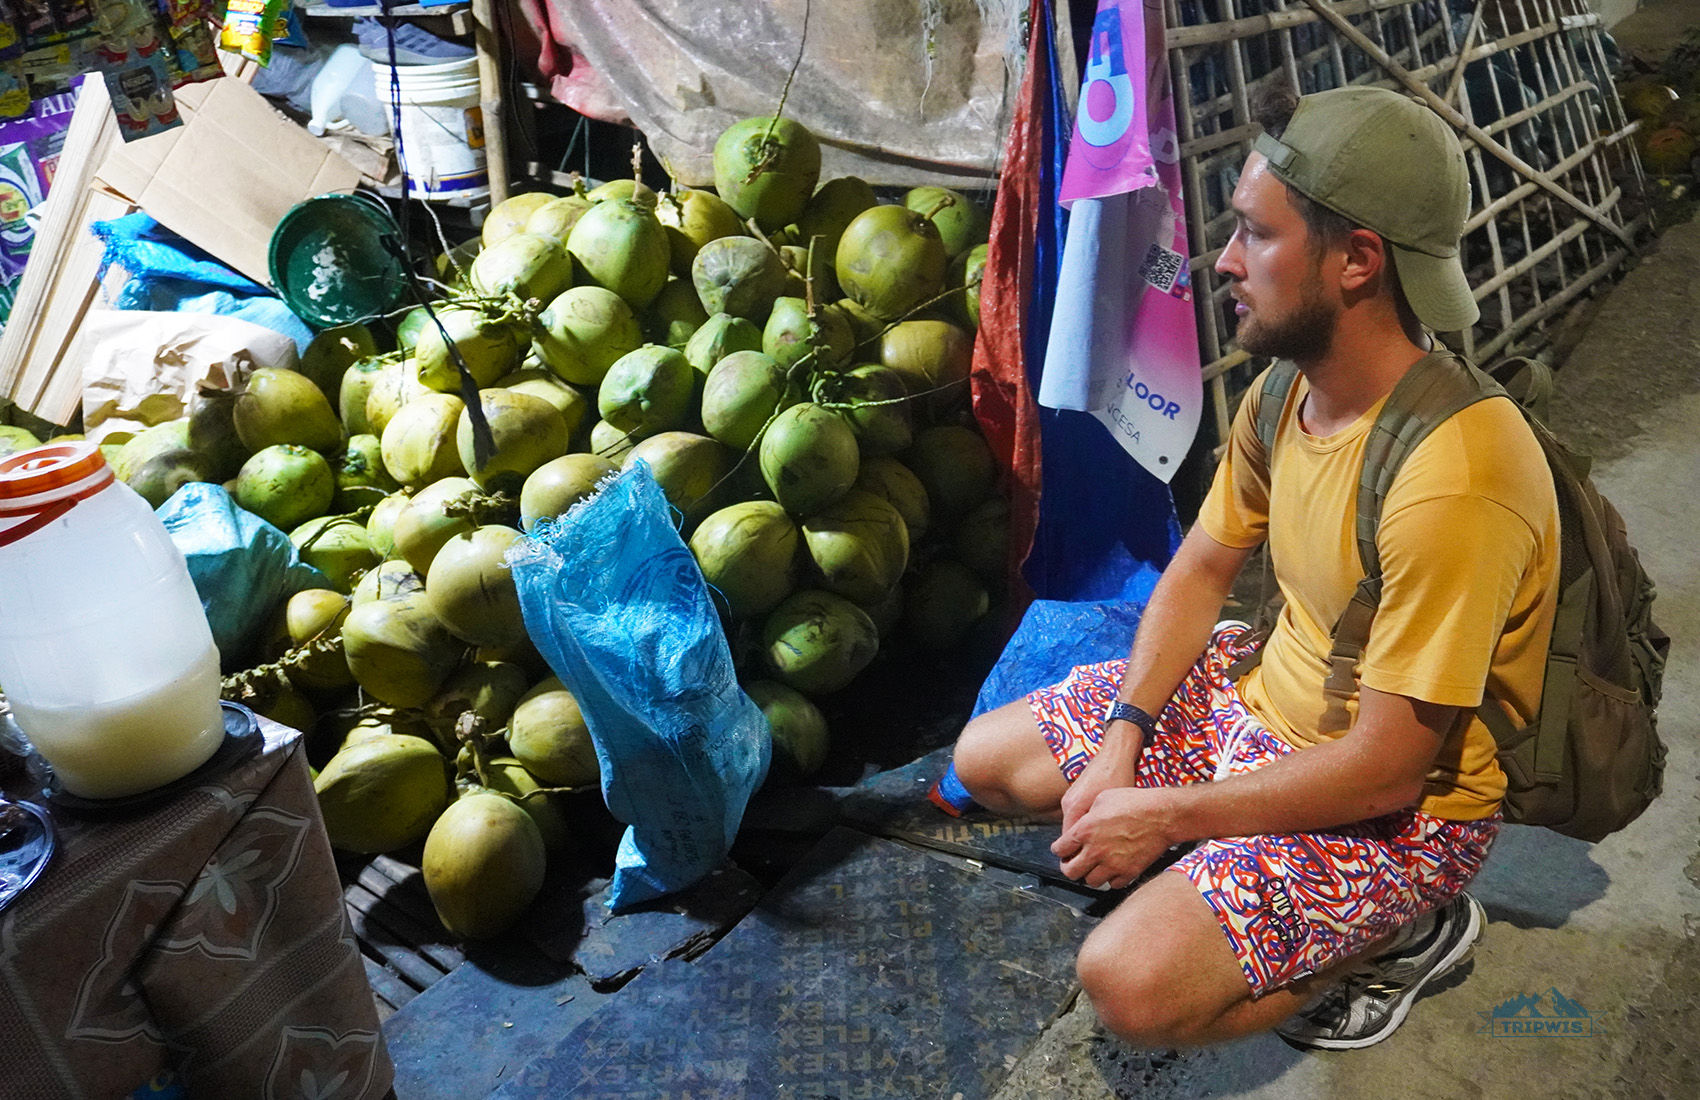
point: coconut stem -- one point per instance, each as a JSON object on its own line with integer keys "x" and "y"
{"x": 249, "y": 683}
{"x": 785, "y": 92}
{"x": 483, "y": 508}
{"x": 469, "y": 731}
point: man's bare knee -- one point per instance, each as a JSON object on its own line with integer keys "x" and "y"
{"x": 1002, "y": 759}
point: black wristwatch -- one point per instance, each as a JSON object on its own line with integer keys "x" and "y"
{"x": 1119, "y": 711}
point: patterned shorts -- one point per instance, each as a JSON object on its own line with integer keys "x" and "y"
{"x": 1290, "y": 905}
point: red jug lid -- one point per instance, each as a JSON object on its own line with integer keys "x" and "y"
{"x": 52, "y": 472}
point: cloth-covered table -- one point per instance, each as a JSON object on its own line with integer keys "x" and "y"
{"x": 203, "y": 937}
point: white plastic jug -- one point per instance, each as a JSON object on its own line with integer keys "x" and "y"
{"x": 105, "y": 652}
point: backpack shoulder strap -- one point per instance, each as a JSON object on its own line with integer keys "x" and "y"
{"x": 1437, "y": 386}
{"x": 1277, "y": 384}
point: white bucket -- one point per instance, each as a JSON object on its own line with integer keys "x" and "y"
{"x": 442, "y": 128}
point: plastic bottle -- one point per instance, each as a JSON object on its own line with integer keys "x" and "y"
{"x": 105, "y": 653}
{"x": 343, "y": 92}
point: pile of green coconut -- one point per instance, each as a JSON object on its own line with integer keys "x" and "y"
{"x": 791, "y": 360}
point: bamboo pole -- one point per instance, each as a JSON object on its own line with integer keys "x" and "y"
{"x": 488, "y": 42}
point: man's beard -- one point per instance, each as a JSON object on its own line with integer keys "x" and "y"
{"x": 1303, "y": 334}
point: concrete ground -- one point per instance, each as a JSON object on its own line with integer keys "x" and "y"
{"x": 1612, "y": 926}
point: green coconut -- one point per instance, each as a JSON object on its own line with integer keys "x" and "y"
{"x": 720, "y": 336}
{"x": 613, "y": 189}
{"x": 619, "y": 245}
{"x": 389, "y": 580}
{"x": 961, "y": 223}
{"x": 506, "y": 775}
{"x": 688, "y": 467}
{"x": 489, "y": 345}
{"x": 361, "y": 480}
{"x": 355, "y": 388}
{"x": 396, "y": 385}
{"x": 173, "y": 435}
{"x": 865, "y": 328}
{"x": 316, "y": 614}
{"x": 800, "y": 738}
{"x": 14, "y": 439}
{"x": 399, "y": 651}
{"x": 526, "y": 265}
{"x": 859, "y": 544}
{"x": 380, "y": 525}
{"x": 891, "y": 260}
{"x": 158, "y": 478}
{"x": 933, "y": 357}
{"x": 527, "y": 432}
{"x": 890, "y": 479}
{"x": 748, "y": 555}
{"x": 557, "y": 217}
{"x": 547, "y": 734}
{"x": 789, "y": 331}
{"x": 286, "y": 485}
{"x": 872, "y": 399}
{"x": 212, "y": 436}
{"x": 419, "y": 442}
{"x": 887, "y": 611}
{"x": 808, "y": 458}
{"x": 830, "y": 210}
{"x": 817, "y": 642}
{"x": 676, "y": 314}
{"x": 766, "y": 169}
{"x": 282, "y": 406}
{"x": 556, "y": 486}
{"x": 407, "y": 330}
{"x": 647, "y": 391}
{"x": 382, "y": 793}
{"x": 483, "y": 865}
{"x": 332, "y": 352}
{"x": 611, "y": 443}
{"x": 569, "y": 401}
{"x": 423, "y": 526}
{"x": 970, "y": 278}
{"x": 513, "y": 215}
{"x": 956, "y": 467}
{"x": 489, "y": 689}
{"x": 585, "y": 331}
{"x": 981, "y": 540}
{"x": 692, "y": 218}
{"x": 742, "y": 393}
{"x": 738, "y": 275}
{"x": 943, "y": 602}
{"x": 336, "y": 546}
{"x": 470, "y": 588}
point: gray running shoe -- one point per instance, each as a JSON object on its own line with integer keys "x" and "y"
{"x": 1370, "y": 1002}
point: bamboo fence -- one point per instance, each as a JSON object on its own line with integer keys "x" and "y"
{"x": 1557, "y": 191}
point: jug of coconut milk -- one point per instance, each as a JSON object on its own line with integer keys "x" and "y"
{"x": 105, "y": 652}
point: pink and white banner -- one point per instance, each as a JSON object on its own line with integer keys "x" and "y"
{"x": 1124, "y": 340}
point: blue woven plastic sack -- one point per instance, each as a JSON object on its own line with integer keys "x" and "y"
{"x": 242, "y": 566}
{"x": 1035, "y": 658}
{"x": 616, "y": 604}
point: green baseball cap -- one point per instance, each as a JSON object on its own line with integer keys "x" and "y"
{"x": 1389, "y": 163}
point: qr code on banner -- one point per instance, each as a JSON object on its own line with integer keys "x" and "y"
{"x": 1161, "y": 267}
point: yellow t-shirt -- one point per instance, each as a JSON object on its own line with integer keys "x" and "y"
{"x": 1469, "y": 553}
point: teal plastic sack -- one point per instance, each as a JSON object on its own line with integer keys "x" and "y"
{"x": 615, "y": 602}
{"x": 242, "y": 566}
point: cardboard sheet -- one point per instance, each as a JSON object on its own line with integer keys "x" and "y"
{"x": 226, "y": 178}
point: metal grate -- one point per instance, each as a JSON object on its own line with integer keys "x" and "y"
{"x": 1557, "y": 189}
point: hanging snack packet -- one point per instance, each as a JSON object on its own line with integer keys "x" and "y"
{"x": 74, "y": 17}
{"x": 11, "y": 42}
{"x": 248, "y": 27}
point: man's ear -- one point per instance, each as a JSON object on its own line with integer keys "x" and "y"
{"x": 1365, "y": 260}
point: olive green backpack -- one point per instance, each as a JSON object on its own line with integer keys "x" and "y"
{"x": 1591, "y": 760}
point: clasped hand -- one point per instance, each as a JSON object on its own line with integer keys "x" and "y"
{"x": 1111, "y": 831}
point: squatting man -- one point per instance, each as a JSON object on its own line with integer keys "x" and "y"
{"x": 1326, "y": 887}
